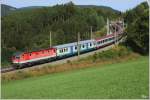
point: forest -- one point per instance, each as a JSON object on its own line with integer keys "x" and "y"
{"x": 29, "y": 29}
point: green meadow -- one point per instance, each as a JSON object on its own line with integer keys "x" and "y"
{"x": 128, "y": 79}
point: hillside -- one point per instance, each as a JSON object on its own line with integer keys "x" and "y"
{"x": 126, "y": 80}
{"x": 99, "y": 7}
{"x": 26, "y": 30}
{"x": 31, "y": 7}
{"x": 6, "y": 9}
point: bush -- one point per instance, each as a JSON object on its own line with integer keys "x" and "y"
{"x": 116, "y": 51}
{"x": 95, "y": 57}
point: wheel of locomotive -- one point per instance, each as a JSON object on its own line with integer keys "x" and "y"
{"x": 21, "y": 66}
{"x": 42, "y": 61}
{"x": 29, "y": 64}
{"x": 15, "y": 66}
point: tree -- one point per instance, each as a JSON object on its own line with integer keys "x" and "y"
{"x": 137, "y": 32}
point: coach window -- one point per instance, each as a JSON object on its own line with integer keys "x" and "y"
{"x": 75, "y": 47}
{"x": 60, "y": 51}
{"x": 90, "y": 44}
{"x": 82, "y": 46}
{"x": 64, "y": 50}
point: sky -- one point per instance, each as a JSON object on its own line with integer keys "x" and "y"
{"x": 121, "y": 5}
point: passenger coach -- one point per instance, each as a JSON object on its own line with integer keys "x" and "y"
{"x": 71, "y": 48}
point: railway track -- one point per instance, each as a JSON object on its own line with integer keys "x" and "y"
{"x": 10, "y": 68}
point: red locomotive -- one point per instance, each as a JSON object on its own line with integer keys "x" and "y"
{"x": 28, "y": 58}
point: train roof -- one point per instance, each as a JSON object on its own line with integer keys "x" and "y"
{"x": 72, "y": 44}
{"x": 105, "y": 37}
{"x": 20, "y": 53}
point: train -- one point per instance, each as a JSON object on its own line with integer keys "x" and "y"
{"x": 25, "y": 59}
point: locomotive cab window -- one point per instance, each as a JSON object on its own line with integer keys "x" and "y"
{"x": 75, "y": 47}
{"x": 17, "y": 57}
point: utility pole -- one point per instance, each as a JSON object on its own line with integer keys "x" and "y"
{"x": 50, "y": 36}
{"x": 107, "y": 26}
{"x": 78, "y": 44}
{"x": 123, "y": 24}
{"x": 91, "y": 33}
{"x": 115, "y": 36}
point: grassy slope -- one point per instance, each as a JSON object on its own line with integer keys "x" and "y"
{"x": 123, "y": 80}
